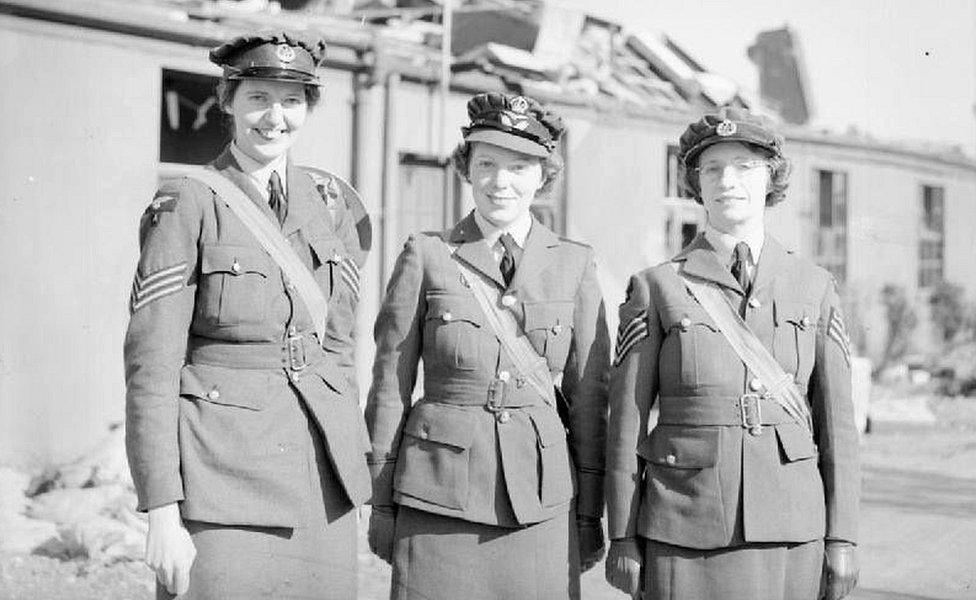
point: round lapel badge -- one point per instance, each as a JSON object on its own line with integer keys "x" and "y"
{"x": 519, "y": 104}
{"x": 726, "y": 128}
{"x": 285, "y": 53}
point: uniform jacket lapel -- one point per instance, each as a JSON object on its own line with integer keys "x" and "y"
{"x": 473, "y": 250}
{"x": 535, "y": 257}
{"x": 228, "y": 167}
{"x": 700, "y": 260}
{"x": 302, "y": 197}
{"x": 770, "y": 263}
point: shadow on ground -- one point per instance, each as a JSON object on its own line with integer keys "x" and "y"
{"x": 863, "y": 594}
{"x": 929, "y": 493}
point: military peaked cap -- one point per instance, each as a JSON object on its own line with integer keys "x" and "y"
{"x": 729, "y": 125}
{"x": 273, "y": 55}
{"x": 515, "y": 122}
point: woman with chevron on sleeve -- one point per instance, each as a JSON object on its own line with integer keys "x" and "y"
{"x": 243, "y": 430}
{"x": 747, "y": 487}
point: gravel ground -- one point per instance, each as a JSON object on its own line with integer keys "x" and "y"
{"x": 918, "y": 479}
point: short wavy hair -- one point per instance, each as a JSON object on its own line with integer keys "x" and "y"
{"x": 552, "y": 165}
{"x": 778, "y": 165}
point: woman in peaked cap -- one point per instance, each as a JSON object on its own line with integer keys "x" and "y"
{"x": 243, "y": 429}
{"x": 747, "y": 487}
{"x": 480, "y": 489}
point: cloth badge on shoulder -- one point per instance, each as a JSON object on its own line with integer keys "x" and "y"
{"x": 350, "y": 274}
{"x": 838, "y": 333}
{"x": 162, "y": 202}
{"x": 153, "y": 286}
{"x": 628, "y": 336}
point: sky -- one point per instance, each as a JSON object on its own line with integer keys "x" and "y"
{"x": 896, "y": 69}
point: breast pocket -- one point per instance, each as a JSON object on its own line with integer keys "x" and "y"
{"x": 796, "y": 337}
{"x": 695, "y": 341}
{"x": 433, "y": 459}
{"x": 234, "y": 284}
{"x": 549, "y": 327}
{"x": 452, "y": 325}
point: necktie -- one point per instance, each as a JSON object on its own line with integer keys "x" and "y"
{"x": 276, "y": 197}
{"x": 510, "y": 258}
{"x": 740, "y": 266}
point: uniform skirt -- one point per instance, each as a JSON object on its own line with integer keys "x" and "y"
{"x": 767, "y": 571}
{"x": 315, "y": 562}
{"x": 443, "y": 558}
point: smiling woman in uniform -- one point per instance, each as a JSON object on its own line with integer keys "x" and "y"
{"x": 473, "y": 485}
{"x": 243, "y": 429}
{"x": 747, "y": 487}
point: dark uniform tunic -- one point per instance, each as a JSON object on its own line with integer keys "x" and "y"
{"x": 233, "y": 408}
{"x": 726, "y": 513}
{"x": 484, "y": 492}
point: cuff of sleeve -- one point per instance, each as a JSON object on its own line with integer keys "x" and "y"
{"x": 159, "y": 493}
{"x": 382, "y": 475}
{"x": 589, "y": 501}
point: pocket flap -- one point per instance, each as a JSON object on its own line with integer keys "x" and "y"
{"x": 557, "y": 316}
{"x": 220, "y": 385}
{"x": 684, "y": 447}
{"x": 326, "y": 248}
{"x": 799, "y": 314}
{"x": 549, "y": 429}
{"x": 449, "y": 308}
{"x": 684, "y": 317}
{"x": 795, "y": 442}
{"x": 234, "y": 260}
{"x": 440, "y": 423}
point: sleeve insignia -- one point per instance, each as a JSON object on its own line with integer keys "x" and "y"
{"x": 837, "y": 332}
{"x": 628, "y": 335}
{"x": 350, "y": 273}
{"x": 163, "y": 202}
{"x": 155, "y": 285}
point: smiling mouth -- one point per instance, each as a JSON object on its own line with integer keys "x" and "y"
{"x": 270, "y": 135}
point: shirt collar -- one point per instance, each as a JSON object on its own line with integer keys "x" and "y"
{"x": 724, "y": 243}
{"x": 519, "y": 230}
{"x": 261, "y": 173}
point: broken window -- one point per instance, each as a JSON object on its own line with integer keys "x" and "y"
{"x": 192, "y": 128}
{"x": 932, "y": 236}
{"x": 831, "y": 242}
{"x": 683, "y": 217}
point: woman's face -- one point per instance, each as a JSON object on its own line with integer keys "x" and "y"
{"x": 267, "y": 117}
{"x": 504, "y": 182}
{"x": 733, "y": 179}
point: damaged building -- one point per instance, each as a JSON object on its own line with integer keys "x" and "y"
{"x": 109, "y": 97}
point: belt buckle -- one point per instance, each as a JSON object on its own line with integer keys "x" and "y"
{"x": 751, "y": 412}
{"x": 297, "y": 359}
{"x": 496, "y": 396}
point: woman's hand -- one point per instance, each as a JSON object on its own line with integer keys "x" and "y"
{"x": 840, "y": 570}
{"x": 382, "y": 523}
{"x": 591, "y": 545}
{"x": 169, "y": 549}
{"x": 623, "y": 568}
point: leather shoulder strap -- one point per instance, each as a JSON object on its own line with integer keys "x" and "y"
{"x": 779, "y": 384}
{"x": 505, "y": 327}
{"x": 274, "y": 243}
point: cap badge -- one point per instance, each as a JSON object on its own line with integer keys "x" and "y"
{"x": 285, "y": 53}
{"x": 514, "y": 120}
{"x": 726, "y": 128}
{"x": 519, "y": 104}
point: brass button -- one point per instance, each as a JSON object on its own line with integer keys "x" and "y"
{"x": 754, "y": 303}
{"x": 504, "y": 416}
{"x": 335, "y": 257}
{"x": 424, "y": 432}
{"x": 671, "y": 459}
{"x": 685, "y": 323}
{"x": 236, "y": 267}
{"x": 213, "y": 394}
{"x": 755, "y": 385}
{"x": 557, "y": 329}
{"x": 446, "y": 317}
{"x": 504, "y": 375}
{"x": 805, "y": 321}
{"x": 508, "y": 300}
